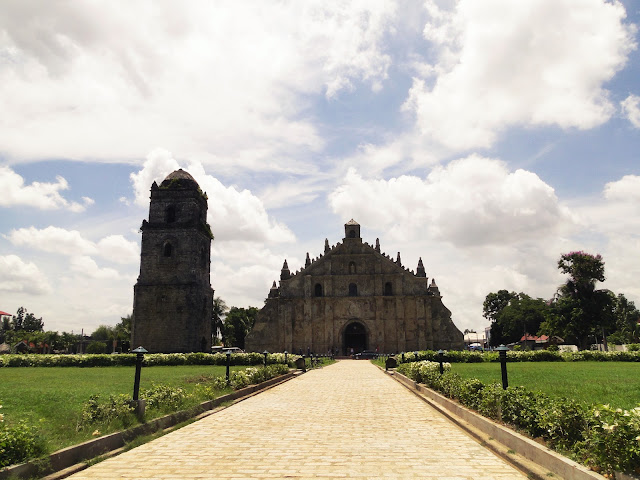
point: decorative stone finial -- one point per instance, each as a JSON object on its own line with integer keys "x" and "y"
{"x": 420, "y": 271}
{"x": 274, "y": 292}
{"x": 285, "y": 273}
{"x": 326, "y": 245}
{"x": 378, "y": 245}
{"x": 307, "y": 262}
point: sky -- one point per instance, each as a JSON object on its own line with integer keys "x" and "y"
{"x": 487, "y": 138}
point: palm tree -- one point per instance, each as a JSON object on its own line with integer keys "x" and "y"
{"x": 219, "y": 311}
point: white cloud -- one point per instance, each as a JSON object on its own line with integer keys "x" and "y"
{"x": 472, "y": 201}
{"x": 118, "y": 249}
{"x": 21, "y": 277}
{"x": 233, "y": 214}
{"x": 631, "y": 108}
{"x": 42, "y": 195}
{"x": 156, "y": 167}
{"x": 71, "y": 243}
{"x": 52, "y": 239}
{"x": 200, "y": 77}
{"x": 87, "y": 267}
{"x": 626, "y": 189}
{"x": 531, "y": 62}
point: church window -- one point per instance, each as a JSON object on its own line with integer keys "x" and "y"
{"x": 352, "y": 267}
{"x": 352, "y": 234}
{"x": 168, "y": 249}
{"x": 388, "y": 288}
{"x": 353, "y": 290}
{"x": 318, "y": 290}
{"x": 170, "y": 214}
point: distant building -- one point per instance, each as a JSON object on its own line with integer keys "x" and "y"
{"x": 173, "y": 299}
{"x": 533, "y": 342}
{"x": 354, "y": 297}
{"x": 4, "y": 316}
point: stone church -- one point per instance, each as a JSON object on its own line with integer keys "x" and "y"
{"x": 354, "y": 297}
{"x": 173, "y": 299}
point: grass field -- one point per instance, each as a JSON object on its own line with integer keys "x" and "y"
{"x": 615, "y": 383}
{"x": 52, "y": 398}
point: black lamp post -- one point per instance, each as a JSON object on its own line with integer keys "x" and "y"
{"x": 440, "y": 359}
{"x": 286, "y": 362}
{"x": 265, "y": 353}
{"x": 415, "y": 356}
{"x": 228, "y": 364}
{"x": 402, "y": 357}
{"x": 502, "y": 351}
{"x": 140, "y": 351}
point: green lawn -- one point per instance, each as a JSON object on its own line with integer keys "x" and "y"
{"x": 52, "y": 397}
{"x": 615, "y": 383}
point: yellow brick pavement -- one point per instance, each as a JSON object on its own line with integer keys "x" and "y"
{"x": 348, "y": 420}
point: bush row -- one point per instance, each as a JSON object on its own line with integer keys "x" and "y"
{"x": 167, "y": 398}
{"x": 150, "y": 359}
{"x": 457, "y": 356}
{"x": 17, "y": 442}
{"x": 604, "y": 438}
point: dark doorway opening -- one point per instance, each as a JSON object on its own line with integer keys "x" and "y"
{"x": 355, "y": 336}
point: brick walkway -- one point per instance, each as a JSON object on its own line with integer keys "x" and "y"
{"x": 348, "y": 420}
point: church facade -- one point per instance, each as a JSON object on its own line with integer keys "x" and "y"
{"x": 173, "y": 299}
{"x": 354, "y": 298}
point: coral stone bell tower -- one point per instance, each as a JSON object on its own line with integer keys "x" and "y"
{"x": 173, "y": 299}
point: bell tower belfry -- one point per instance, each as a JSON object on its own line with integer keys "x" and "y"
{"x": 352, "y": 229}
{"x": 173, "y": 299}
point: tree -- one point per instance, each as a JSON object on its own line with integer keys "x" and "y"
{"x": 494, "y": 303}
{"x": 68, "y": 341}
{"x": 32, "y": 324}
{"x": 217, "y": 316}
{"x": 626, "y": 317}
{"x": 123, "y": 332}
{"x": 5, "y": 326}
{"x": 103, "y": 333}
{"x": 513, "y": 315}
{"x": 237, "y": 324}
{"x": 24, "y": 320}
{"x": 18, "y": 319}
{"x": 580, "y": 311}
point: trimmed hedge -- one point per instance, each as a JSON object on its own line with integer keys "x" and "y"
{"x": 457, "y": 356}
{"x": 605, "y": 439}
{"x": 150, "y": 359}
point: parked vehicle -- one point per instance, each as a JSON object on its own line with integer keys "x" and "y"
{"x": 366, "y": 354}
{"x": 232, "y": 350}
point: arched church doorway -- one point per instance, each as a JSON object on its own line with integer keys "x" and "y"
{"x": 355, "y": 336}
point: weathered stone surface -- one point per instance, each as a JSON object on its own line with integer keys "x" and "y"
{"x": 353, "y": 296}
{"x": 173, "y": 298}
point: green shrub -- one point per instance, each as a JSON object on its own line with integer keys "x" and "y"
{"x": 614, "y": 439}
{"x": 164, "y": 397}
{"x": 116, "y": 408}
{"x": 520, "y": 407}
{"x": 633, "y": 347}
{"x": 18, "y": 443}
